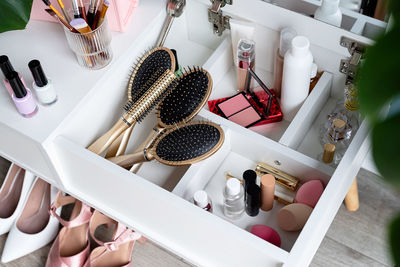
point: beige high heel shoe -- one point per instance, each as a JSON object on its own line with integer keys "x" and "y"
{"x": 118, "y": 251}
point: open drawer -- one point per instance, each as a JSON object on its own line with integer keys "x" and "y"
{"x": 156, "y": 201}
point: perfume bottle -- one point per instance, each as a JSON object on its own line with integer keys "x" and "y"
{"x": 202, "y": 200}
{"x": 342, "y": 123}
{"x": 233, "y": 198}
{"x": 246, "y": 59}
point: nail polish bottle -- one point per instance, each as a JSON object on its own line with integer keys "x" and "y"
{"x": 253, "y": 200}
{"x": 22, "y": 97}
{"x": 7, "y": 68}
{"x": 249, "y": 177}
{"x": 42, "y": 86}
{"x": 202, "y": 200}
{"x": 286, "y": 37}
{"x": 233, "y": 198}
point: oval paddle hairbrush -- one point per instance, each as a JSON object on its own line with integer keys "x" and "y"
{"x": 157, "y": 64}
{"x": 189, "y": 96}
{"x": 141, "y": 79}
{"x": 186, "y": 144}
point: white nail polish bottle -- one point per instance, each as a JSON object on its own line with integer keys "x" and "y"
{"x": 42, "y": 86}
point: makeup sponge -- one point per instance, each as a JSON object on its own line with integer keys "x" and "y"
{"x": 309, "y": 193}
{"x": 293, "y": 217}
{"x": 266, "y": 233}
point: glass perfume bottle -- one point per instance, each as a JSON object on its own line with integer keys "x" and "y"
{"x": 233, "y": 198}
{"x": 342, "y": 123}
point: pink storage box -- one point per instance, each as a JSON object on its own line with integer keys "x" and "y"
{"x": 119, "y": 12}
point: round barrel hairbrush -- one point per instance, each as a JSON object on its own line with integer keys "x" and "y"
{"x": 183, "y": 145}
{"x": 156, "y": 65}
{"x": 180, "y": 106}
{"x": 142, "y": 77}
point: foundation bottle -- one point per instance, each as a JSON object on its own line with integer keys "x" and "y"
{"x": 286, "y": 37}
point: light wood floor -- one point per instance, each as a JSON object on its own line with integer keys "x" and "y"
{"x": 354, "y": 239}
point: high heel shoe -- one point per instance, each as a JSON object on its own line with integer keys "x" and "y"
{"x": 71, "y": 247}
{"x": 12, "y": 195}
{"x": 117, "y": 252}
{"x": 34, "y": 228}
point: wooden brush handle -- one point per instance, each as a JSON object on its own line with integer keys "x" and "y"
{"x": 118, "y": 147}
{"x": 157, "y": 130}
{"x": 126, "y": 161}
{"x": 351, "y": 199}
{"x": 101, "y": 144}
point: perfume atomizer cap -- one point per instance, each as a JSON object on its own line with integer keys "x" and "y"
{"x": 38, "y": 73}
{"x": 5, "y": 66}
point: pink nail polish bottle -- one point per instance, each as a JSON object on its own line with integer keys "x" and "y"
{"x": 22, "y": 96}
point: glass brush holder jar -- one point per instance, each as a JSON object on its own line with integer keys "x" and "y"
{"x": 92, "y": 49}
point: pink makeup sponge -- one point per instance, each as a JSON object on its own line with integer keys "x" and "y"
{"x": 266, "y": 233}
{"x": 309, "y": 193}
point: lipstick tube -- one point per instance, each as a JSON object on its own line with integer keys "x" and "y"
{"x": 281, "y": 178}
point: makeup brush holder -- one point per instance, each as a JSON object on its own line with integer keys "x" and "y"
{"x": 92, "y": 50}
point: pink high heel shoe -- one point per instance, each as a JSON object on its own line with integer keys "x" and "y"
{"x": 71, "y": 247}
{"x": 117, "y": 252}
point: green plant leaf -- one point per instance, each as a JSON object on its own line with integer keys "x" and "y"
{"x": 379, "y": 77}
{"x": 386, "y": 147}
{"x": 14, "y": 14}
{"x": 394, "y": 239}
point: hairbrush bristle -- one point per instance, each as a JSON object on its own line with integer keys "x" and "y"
{"x": 147, "y": 65}
{"x": 185, "y": 101}
{"x": 153, "y": 79}
{"x": 191, "y": 142}
{"x": 140, "y": 108}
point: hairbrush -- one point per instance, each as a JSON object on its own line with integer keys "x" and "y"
{"x": 136, "y": 112}
{"x": 183, "y": 145}
{"x": 189, "y": 96}
{"x": 157, "y": 64}
{"x": 146, "y": 70}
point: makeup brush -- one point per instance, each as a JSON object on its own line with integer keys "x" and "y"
{"x": 91, "y": 12}
{"x": 183, "y": 145}
{"x": 61, "y": 4}
{"x": 145, "y": 69}
{"x": 61, "y": 20}
{"x": 80, "y": 25}
{"x": 47, "y": 3}
{"x": 97, "y": 15}
{"x": 82, "y": 10}
{"x": 102, "y": 13}
{"x": 181, "y": 105}
{"x": 75, "y": 9}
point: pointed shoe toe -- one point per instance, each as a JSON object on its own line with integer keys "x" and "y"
{"x": 13, "y": 193}
{"x": 35, "y": 227}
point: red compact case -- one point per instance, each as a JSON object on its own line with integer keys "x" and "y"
{"x": 258, "y": 99}
{"x": 239, "y": 110}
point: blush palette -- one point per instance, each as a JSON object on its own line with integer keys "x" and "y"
{"x": 238, "y": 109}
